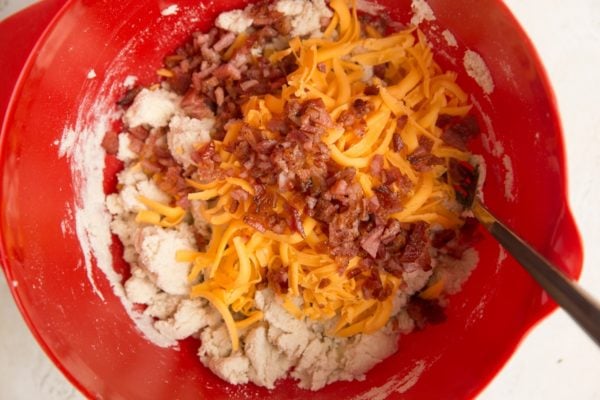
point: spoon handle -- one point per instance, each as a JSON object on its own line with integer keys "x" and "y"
{"x": 565, "y": 291}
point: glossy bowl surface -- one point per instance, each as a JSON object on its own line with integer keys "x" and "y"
{"x": 94, "y": 342}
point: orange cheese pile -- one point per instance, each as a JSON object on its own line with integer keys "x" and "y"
{"x": 238, "y": 256}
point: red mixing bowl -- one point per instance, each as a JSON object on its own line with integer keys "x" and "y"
{"x": 95, "y": 343}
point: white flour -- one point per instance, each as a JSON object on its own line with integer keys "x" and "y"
{"x": 369, "y": 7}
{"x": 478, "y": 70}
{"x": 493, "y": 146}
{"x": 171, "y": 10}
{"x": 450, "y": 38}
{"x": 509, "y": 178}
{"x": 421, "y": 12}
{"x": 130, "y": 81}
{"x": 398, "y": 385}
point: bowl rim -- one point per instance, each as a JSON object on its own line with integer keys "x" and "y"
{"x": 535, "y": 317}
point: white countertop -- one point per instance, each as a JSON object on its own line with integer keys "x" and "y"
{"x": 556, "y": 360}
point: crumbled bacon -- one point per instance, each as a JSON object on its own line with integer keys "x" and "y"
{"x": 422, "y": 159}
{"x": 324, "y": 283}
{"x": 278, "y": 279}
{"x": 371, "y": 90}
{"x": 139, "y": 132}
{"x": 370, "y": 243}
{"x": 194, "y": 105}
{"x": 458, "y": 131}
{"x": 442, "y": 237}
{"x": 376, "y": 165}
{"x": 110, "y": 142}
{"x": 127, "y": 99}
{"x": 416, "y": 250}
{"x": 219, "y": 96}
{"x": 224, "y": 41}
{"x": 425, "y": 312}
{"x": 379, "y": 70}
{"x": 468, "y": 236}
{"x": 256, "y": 222}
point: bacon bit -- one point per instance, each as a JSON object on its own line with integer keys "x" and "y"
{"x": 239, "y": 195}
{"x": 370, "y": 243}
{"x": 340, "y": 188}
{"x": 401, "y": 123}
{"x": 425, "y": 312}
{"x": 392, "y": 229}
{"x": 322, "y": 67}
{"x": 296, "y": 221}
{"x": 391, "y": 175}
{"x": 373, "y": 204}
{"x": 150, "y": 167}
{"x": 129, "y": 96}
{"x": 324, "y": 283}
{"x": 225, "y": 41}
{"x": 371, "y": 90}
{"x": 256, "y": 222}
{"x": 464, "y": 178}
{"x": 278, "y": 279}
{"x": 227, "y": 71}
{"x": 204, "y": 153}
{"x": 139, "y": 132}
{"x": 373, "y": 288}
{"x": 457, "y": 132}
{"x": 388, "y": 198}
{"x": 194, "y": 106}
{"x": 248, "y": 84}
{"x": 416, "y": 247}
{"x": 234, "y": 206}
{"x": 468, "y": 236}
{"x": 135, "y": 145}
{"x": 442, "y": 237}
{"x": 397, "y": 142}
{"x": 110, "y": 142}
{"x": 362, "y": 107}
{"x": 180, "y": 81}
{"x": 219, "y": 96}
{"x": 354, "y": 272}
{"x": 376, "y": 165}
{"x": 203, "y": 73}
{"x": 379, "y": 70}
{"x": 422, "y": 159}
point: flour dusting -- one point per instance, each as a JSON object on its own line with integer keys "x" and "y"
{"x": 171, "y": 10}
{"x": 369, "y": 7}
{"x": 502, "y": 255}
{"x": 421, "y": 12}
{"x": 509, "y": 178}
{"x": 450, "y": 38}
{"x": 493, "y": 146}
{"x": 130, "y": 81}
{"x": 477, "y": 69}
{"x": 86, "y": 156}
{"x": 397, "y": 385}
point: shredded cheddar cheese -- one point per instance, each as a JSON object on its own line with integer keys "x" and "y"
{"x": 331, "y": 69}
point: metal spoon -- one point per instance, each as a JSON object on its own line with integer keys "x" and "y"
{"x": 565, "y": 291}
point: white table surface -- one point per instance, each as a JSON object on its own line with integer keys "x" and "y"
{"x": 556, "y": 360}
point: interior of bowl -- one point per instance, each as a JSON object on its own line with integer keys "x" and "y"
{"x": 72, "y": 309}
